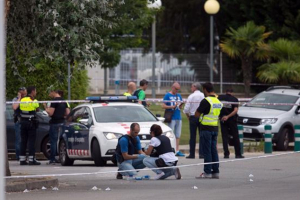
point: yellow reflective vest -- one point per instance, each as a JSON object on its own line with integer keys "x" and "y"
{"x": 29, "y": 106}
{"x": 212, "y": 118}
{"x": 127, "y": 94}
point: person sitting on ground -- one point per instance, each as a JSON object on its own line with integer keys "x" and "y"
{"x": 131, "y": 87}
{"x": 166, "y": 157}
{"x": 129, "y": 152}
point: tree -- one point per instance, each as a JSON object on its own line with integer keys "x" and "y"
{"x": 284, "y": 63}
{"x": 246, "y": 43}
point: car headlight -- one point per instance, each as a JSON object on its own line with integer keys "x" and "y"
{"x": 111, "y": 136}
{"x": 268, "y": 121}
{"x": 169, "y": 134}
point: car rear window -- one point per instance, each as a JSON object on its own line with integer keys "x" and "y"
{"x": 108, "y": 114}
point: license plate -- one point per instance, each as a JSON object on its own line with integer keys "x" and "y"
{"x": 247, "y": 130}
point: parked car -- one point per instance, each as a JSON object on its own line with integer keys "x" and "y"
{"x": 92, "y": 129}
{"x": 42, "y": 143}
{"x": 282, "y": 118}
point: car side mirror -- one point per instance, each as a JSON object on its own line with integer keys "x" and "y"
{"x": 161, "y": 119}
{"x": 158, "y": 115}
{"x": 84, "y": 121}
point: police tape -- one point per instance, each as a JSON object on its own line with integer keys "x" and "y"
{"x": 151, "y": 100}
{"x": 150, "y": 169}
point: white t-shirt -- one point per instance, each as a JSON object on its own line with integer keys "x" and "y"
{"x": 168, "y": 157}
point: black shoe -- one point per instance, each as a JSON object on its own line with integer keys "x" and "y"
{"x": 226, "y": 156}
{"x": 192, "y": 157}
{"x": 201, "y": 156}
{"x": 119, "y": 176}
{"x": 238, "y": 157}
{"x": 34, "y": 162}
{"x": 23, "y": 163}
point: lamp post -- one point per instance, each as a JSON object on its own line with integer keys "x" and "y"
{"x": 211, "y": 7}
{"x": 155, "y": 5}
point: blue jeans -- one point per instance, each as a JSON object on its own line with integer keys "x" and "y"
{"x": 53, "y": 134}
{"x": 194, "y": 125}
{"x": 176, "y": 125}
{"x": 17, "y": 139}
{"x": 132, "y": 165}
{"x": 210, "y": 152}
{"x": 150, "y": 163}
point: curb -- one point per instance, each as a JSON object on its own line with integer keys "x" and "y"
{"x": 19, "y": 185}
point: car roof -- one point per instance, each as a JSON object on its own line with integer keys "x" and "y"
{"x": 293, "y": 92}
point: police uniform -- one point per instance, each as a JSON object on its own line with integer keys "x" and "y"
{"x": 229, "y": 127}
{"x": 210, "y": 109}
{"x": 29, "y": 124}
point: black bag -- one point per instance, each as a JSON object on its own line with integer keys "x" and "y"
{"x": 168, "y": 115}
{"x": 160, "y": 163}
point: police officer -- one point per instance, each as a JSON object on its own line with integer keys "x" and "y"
{"x": 228, "y": 118}
{"x": 29, "y": 124}
{"x": 208, "y": 113}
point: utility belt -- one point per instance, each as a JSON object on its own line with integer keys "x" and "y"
{"x": 32, "y": 119}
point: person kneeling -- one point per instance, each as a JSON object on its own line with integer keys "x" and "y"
{"x": 127, "y": 158}
{"x": 166, "y": 157}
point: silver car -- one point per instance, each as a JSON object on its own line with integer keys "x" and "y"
{"x": 281, "y": 117}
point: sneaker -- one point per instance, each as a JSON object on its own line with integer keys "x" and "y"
{"x": 23, "y": 163}
{"x": 119, "y": 176}
{"x": 215, "y": 175}
{"x": 177, "y": 174}
{"x": 34, "y": 162}
{"x": 51, "y": 162}
{"x": 179, "y": 153}
{"x": 204, "y": 176}
{"x": 158, "y": 176}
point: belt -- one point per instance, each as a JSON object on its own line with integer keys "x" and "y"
{"x": 27, "y": 116}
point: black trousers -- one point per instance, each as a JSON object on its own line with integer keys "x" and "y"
{"x": 229, "y": 127}
{"x": 28, "y": 135}
{"x": 194, "y": 125}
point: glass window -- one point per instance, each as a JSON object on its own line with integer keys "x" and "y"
{"x": 273, "y": 98}
{"x": 76, "y": 115}
{"x": 107, "y": 114}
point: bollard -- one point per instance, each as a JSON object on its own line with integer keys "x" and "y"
{"x": 268, "y": 139}
{"x": 297, "y": 138}
{"x": 241, "y": 137}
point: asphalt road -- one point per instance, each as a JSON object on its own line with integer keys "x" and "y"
{"x": 273, "y": 178}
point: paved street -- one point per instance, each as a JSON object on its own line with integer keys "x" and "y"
{"x": 274, "y": 178}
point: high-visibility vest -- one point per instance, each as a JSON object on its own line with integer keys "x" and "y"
{"x": 28, "y": 109}
{"x": 127, "y": 94}
{"x": 212, "y": 118}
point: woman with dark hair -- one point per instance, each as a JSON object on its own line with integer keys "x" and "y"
{"x": 166, "y": 157}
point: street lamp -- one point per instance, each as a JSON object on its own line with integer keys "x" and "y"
{"x": 154, "y": 5}
{"x": 211, "y": 7}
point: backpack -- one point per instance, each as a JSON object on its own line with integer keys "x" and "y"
{"x": 117, "y": 156}
{"x": 136, "y": 93}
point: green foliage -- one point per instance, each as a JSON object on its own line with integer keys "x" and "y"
{"x": 284, "y": 63}
{"x": 45, "y": 75}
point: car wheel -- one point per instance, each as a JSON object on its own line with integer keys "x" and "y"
{"x": 283, "y": 140}
{"x": 96, "y": 154}
{"x": 46, "y": 147}
{"x": 63, "y": 155}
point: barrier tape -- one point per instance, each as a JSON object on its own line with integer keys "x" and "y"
{"x": 165, "y": 101}
{"x": 148, "y": 169}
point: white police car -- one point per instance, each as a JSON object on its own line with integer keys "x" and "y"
{"x": 92, "y": 130}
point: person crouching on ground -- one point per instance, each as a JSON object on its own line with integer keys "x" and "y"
{"x": 166, "y": 157}
{"x": 129, "y": 153}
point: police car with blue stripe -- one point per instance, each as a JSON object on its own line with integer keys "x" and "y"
{"x": 92, "y": 129}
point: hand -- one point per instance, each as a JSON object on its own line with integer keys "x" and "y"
{"x": 225, "y": 118}
{"x": 45, "y": 105}
{"x": 141, "y": 156}
{"x": 19, "y": 95}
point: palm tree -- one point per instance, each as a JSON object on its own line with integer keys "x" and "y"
{"x": 246, "y": 43}
{"x": 284, "y": 66}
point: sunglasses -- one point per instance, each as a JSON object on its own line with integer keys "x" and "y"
{"x": 22, "y": 88}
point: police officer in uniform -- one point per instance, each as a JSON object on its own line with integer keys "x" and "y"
{"x": 228, "y": 119}
{"x": 208, "y": 113}
{"x": 29, "y": 124}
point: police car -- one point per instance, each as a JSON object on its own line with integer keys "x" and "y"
{"x": 92, "y": 130}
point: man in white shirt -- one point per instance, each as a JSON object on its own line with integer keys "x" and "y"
{"x": 190, "y": 108}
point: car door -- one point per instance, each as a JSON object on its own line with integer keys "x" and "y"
{"x": 10, "y": 128}
{"x": 77, "y": 131}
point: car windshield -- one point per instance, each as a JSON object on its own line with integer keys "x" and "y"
{"x": 273, "y": 98}
{"x": 108, "y": 114}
